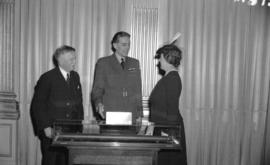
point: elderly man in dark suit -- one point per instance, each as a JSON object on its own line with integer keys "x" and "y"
{"x": 117, "y": 81}
{"x": 58, "y": 95}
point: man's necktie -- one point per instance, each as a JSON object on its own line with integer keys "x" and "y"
{"x": 68, "y": 78}
{"x": 122, "y": 63}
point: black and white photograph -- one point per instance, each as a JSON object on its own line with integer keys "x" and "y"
{"x": 134, "y": 82}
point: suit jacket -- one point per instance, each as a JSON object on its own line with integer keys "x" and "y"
{"x": 54, "y": 99}
{"x": 164, "y": 100}
{"x": 164, "y": 109}
{"x": 118, "y": 89}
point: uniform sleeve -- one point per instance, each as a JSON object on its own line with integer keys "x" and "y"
{"x": 40, "y": 104}
{"x": 98, "y": 84}
{"x": 139, "y": 93}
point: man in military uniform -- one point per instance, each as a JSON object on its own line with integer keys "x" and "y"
{"x": 117, "y": 83}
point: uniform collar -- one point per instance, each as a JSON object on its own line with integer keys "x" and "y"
{"x": 118, "y": 57}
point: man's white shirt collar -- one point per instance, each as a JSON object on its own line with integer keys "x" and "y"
{"x": 64, "y": 73}
{"x": 119, "y": 58}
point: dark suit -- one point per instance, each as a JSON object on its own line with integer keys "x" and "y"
{"x": 54, "y": 99}
{"x": 118, "y": 89}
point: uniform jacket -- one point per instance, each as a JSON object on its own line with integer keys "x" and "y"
{"x": 54, "y": 99}
{"x": 118, "y": 89}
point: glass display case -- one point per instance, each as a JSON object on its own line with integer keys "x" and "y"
{"x": 99, "y": 143}
{"x": 77, "y": 132}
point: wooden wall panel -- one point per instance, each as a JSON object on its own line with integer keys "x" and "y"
{"x": 8, "y": 140}
{"x": 5, "y": 140}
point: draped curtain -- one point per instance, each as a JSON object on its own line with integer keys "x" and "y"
{"x": 225, "y": 69}
{"x": 225, "y": 74}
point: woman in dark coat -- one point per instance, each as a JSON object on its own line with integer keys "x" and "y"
{"x": 164, "y": 101}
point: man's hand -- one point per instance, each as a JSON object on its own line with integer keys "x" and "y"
{"x": 142, "y": 130}
{"x": 48, "y": 132}
{"x": 139, "y": 121}
{"x": 100, "y": 110}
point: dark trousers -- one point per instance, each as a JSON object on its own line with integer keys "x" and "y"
{"x": 52, "y": 155}
{"x": 171, "y": 157}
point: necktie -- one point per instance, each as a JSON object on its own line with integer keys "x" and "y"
{"x": 68, "y": 78}
{"x": 122, "y": 63}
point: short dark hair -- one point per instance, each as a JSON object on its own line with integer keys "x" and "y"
{"x": 61, "y": 50}
{"x": 116, "y": 37}
{"x": 171, "y": 53}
